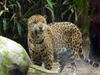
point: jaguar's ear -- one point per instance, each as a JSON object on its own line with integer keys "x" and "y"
{"x": 25, "y": 20}
{"x": 45, "y": 16}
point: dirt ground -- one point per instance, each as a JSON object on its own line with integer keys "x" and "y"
{"x": 82, "y": 67}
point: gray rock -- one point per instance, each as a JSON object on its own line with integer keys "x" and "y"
{"x": 13, "y": 57}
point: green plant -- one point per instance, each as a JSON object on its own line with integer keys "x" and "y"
{"x": 10, "y": 21}
{"x": 12, "y": 13}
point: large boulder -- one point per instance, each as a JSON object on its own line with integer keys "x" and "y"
{"x": 14, "y": 60}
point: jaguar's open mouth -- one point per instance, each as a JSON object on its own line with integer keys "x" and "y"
{"x": 39, "y": 31}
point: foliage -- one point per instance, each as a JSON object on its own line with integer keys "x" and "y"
{"x": 83, "y": 14}
{"x": 12, "y": 13}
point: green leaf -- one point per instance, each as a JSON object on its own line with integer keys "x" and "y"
{"x": 10, "y": 24}
{"x": 52, "y": 12}
{"x": 13, "y": 16}
{"x": 80, "y": 13}
{"x": 18, "y": 27}
{"x": 1, "y": 12}
{"x": 4, "y": 25}
{"x": 50, "y": 3}
{"x": 72, "y": 10}
{"x": 76, "y": 17}
{"x": 6, "y": 9}
{"x": 68, "y": 9}
{"x": 65, "y": 2}
{"x": 19, "y": 6}
{"x": 69, "y": 18}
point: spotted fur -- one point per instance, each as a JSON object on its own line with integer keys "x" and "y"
{"x": 63, "y": 38}
{"x": 67, "y": 42}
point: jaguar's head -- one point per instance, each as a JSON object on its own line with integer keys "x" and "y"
{"x": 36, "y": 24}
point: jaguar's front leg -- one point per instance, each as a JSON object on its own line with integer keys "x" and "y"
{"x": 48, "y": 60}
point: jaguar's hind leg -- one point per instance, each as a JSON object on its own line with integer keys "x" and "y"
{"x": 62, "y": 57}
{"x": 73, "y": 63}
{"x": 73, "y": 69}
{"x": 61, "y": 67}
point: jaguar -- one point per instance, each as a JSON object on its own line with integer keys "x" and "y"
{"x": 62, "y": 38}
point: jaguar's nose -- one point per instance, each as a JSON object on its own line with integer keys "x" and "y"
{"x": 40, "y": 27}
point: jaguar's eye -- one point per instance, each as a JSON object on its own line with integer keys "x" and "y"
{"x": 34, "y": 22}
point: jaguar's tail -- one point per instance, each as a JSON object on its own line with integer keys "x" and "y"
{"x": 87, "y": 60}
{"x": 94, "y": 64}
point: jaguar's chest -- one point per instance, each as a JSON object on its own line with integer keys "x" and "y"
{"x": 36, "y": 43}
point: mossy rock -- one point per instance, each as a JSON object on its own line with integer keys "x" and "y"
{"x": 12, "y": 56}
